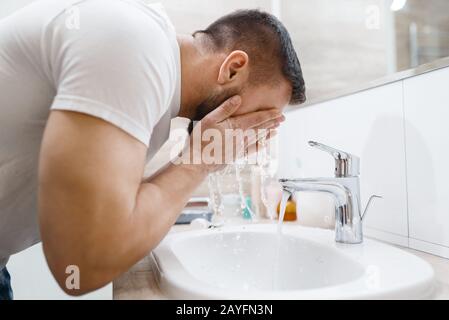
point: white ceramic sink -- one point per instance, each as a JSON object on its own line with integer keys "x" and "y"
{"x": 240, "y": 262}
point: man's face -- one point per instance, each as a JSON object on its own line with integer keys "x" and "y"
{"x": 254, "y": 98}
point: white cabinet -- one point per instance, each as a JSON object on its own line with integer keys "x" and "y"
{"x": 426, "y": 101}
{"x": 368, "y": 124}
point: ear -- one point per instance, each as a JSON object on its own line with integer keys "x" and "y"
{"x": 233, "y": 67}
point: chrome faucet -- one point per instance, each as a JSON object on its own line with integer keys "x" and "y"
{"x": 344, "y": 187}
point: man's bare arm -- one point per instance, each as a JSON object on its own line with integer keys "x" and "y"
{"x": 95, "y": 212}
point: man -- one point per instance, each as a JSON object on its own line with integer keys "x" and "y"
{"x": 104, "y": 78}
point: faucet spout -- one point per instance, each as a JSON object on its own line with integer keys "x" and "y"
{"x": 316, "y": 185}
{"x": 344, "y": 187}
{"x": 348, "y": 220}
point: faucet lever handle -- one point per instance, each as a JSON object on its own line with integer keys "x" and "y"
{"x": 368, "y": 204}
{"x": 346, "y": 164}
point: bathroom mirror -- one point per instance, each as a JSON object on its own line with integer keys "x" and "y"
{"x": 344, "y": 45}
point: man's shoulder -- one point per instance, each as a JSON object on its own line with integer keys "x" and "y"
{"x": 115, "y": 28}
{"x": 131, "y": 15}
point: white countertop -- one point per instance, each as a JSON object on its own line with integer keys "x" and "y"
{"x": 139, "y": 283}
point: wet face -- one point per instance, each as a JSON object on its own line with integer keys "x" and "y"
{"x": 265, "y": 97}
{"x": 254, "y": 98}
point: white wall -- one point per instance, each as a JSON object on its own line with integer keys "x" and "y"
{"x": 9, "y": 6}
{"x": 401, "y": 133}
{"x": 426, "y": 101}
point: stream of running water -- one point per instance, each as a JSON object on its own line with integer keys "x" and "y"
{"x": 277, "y": 252}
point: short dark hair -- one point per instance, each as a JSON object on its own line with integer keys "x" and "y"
{"x": 265, "y": 39}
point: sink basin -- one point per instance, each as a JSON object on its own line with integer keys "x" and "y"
{"x": 251, "y": 262}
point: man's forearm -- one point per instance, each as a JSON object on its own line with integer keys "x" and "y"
{"x": 162, "y": 198}
{"x": 95, "y": 212}
{"x": 158, "y": 203}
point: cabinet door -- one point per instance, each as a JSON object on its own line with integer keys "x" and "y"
{"x": 426, "y": 102}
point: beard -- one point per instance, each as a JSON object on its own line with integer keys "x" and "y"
{"x": 212, "y": 103}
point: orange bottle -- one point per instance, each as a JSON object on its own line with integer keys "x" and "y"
{"x": 290, "y": 210}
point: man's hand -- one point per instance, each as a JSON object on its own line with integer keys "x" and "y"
{"x": 233, "y": 136}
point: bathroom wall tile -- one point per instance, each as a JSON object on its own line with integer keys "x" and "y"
{"x": 368, "y": 124}
{"x": 426, "y": 102}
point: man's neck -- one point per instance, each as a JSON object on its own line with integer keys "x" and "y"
{"x": 191, "y": 86}
{"x": 196, "y": 69}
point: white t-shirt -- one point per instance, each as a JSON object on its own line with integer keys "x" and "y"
{"x": 117, "y": 60}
